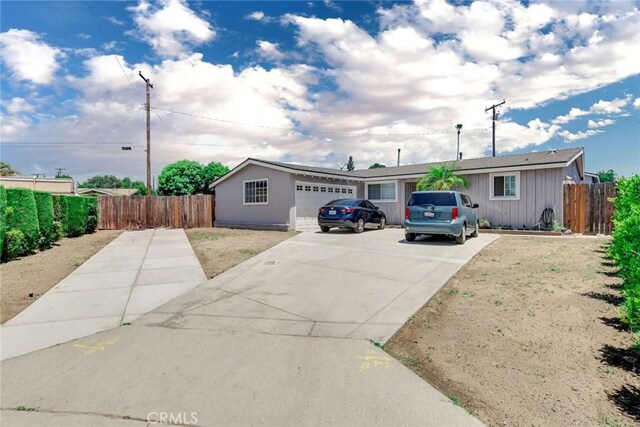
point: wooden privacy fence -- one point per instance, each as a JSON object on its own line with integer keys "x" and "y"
{"x": 136, "y": 212}
{"x": 588, "y": 208}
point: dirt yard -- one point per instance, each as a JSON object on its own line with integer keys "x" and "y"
{"x": 219, "y": 249}
{"x": 527, "y": 334}
{"x": 24, "y": 280}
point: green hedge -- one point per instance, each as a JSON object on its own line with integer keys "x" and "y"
{"x": 3, "y": 217}
{"x": 75, "y": 216}
{"x": 92, "y": 214}
{"x": 44, "y": 205}
{"x": 22, "y": 215}
{"x": 625, "y": 247}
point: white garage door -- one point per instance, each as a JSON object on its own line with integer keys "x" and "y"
{"x": 311, "y": 196}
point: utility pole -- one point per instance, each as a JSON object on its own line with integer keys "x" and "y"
{"x": 458, "y": 128}
{"x": 495, "y": 117}
{"x": 59, "y": 173}
{"x": 148, "y": 85}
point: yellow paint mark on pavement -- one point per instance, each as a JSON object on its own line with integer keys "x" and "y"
{"x": 372, "y": 360}
{"x": 94, "y": 347}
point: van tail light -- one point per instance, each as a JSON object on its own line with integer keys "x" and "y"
{"x": 406, "y": 213}
{"x": 454, "y": 213}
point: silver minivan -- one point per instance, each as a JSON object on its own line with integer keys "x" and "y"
{"x": 448, "y": 213}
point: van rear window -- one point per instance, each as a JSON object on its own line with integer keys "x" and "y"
{"x": 435, "y": 199}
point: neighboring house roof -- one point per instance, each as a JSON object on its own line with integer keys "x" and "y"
{"x": 535, "y": 160}
{"x": 109, "y": 191}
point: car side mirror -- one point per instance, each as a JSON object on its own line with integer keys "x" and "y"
{"x": 475, "y": 205}
{"x": 376, "y": 207}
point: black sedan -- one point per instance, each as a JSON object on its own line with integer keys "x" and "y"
{"x": 350, "y": 213}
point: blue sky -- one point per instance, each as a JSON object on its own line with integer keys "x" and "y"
{"x": 315, "y": 82}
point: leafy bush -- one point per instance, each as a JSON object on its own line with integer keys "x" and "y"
{"x": 23, "y": 216}
{"x": 485, "y": 223}
{"x": 44, "y": 206}
{"x": 625, "y": 247}
{"x": 3, "y": 216}
{"x": 75, "y": 216}
{"x": 58, "y": 231}
{"x": 92, "y": 214}
{"x": 15, "y": 244}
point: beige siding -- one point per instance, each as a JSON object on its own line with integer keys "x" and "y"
{"x": 53, "y": 186}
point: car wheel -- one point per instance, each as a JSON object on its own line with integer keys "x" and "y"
{"x": 359, "y": 228}
{"x": 324, "y": 229}
{"x": 463, "y": 236}
{"x": 410, "y": 237}
{"x": 383, "y": 223}
{"x": 477, "y": 230}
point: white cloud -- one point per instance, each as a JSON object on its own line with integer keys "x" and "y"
{"x": 609, "y": 107}
{"x": 572, "y": 137}
{"x": 269, "y": 50}
{"x": 84, "y": 36}
{"x": 258, "y": 15}
{"x": 574, "y": 113}
{"x": 19, "y": 105}
{"x": 600, "y": 123}
{"x": 636, "y": 103}
{"x": 114, "y": 20}
{"x": 332, "y": 5}
{"x": 171, "y": 28}
{"x": 28, "y": 57}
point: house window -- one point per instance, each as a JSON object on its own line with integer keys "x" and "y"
{"x": 323, "y": 189}
{"x": 350, "y": 191}
{"x": 315, "y": 188}
{"x": 330, "y": 189}
{"x": 505, "y": 186}
{"x": 344, "y": 191}
{"x": 299, "y": 187}
{"x": 256, "y": 192}
{"x": 383, "y": 192}
{"x": 307, "y": 188}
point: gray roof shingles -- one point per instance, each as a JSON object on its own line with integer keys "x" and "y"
{"x": 513, "y": 160}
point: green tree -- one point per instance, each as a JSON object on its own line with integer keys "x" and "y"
{"x": 63, "y": 176}
{"x": 210, "y": 173}
{"x": 102, "y": 181}
{"x": 442, "y": 178}
{"x": 7, "y": 170}
{"x": 607, "y": 176}
{"x": 350, "y": 165}
{"x": 377, "y": 166}
{"x": 183, "y": 177}
{"x": 138, "y": 185}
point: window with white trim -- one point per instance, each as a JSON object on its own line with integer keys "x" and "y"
{"x": 505, "y": 186}
{"x": 384, "y": 191}
{"x": 256, "y": 192}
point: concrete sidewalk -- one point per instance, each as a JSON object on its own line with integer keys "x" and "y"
{"x": 135, "y": 273}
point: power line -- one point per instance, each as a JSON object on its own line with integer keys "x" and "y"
{"x": 317, "y": 131}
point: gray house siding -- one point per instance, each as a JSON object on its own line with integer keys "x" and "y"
{"x": 539, "y": 189}
{"x": 277, "y": 214}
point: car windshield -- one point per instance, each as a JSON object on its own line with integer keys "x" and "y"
{"x": 435, "y": 199}
{"x": 344, "y": 202}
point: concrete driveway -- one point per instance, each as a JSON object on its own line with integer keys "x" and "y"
{"x": 281, "y": 339}
{"x": 337, "y": 284}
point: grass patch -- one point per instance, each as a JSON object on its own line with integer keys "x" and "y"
{"x": 23, "y": 408}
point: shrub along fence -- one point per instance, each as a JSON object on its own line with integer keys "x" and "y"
{"x": 137, "y": 212}
{"x": 31, "y": 220}
{"x": 625, "y": 247}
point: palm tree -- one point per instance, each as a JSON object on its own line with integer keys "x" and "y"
{"x": 442, "y": 178}
{"x": 7, "y": 170}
